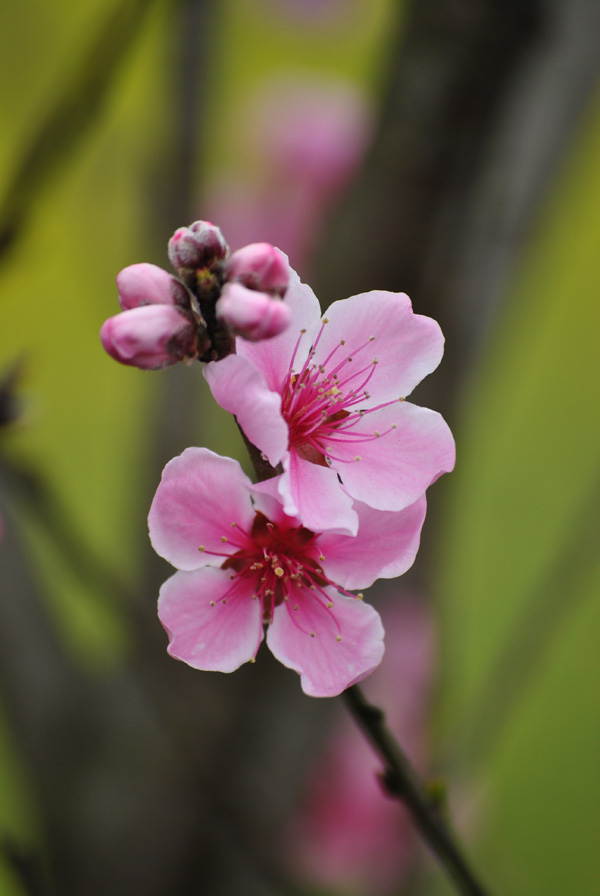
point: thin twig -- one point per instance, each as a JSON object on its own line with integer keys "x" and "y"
{"x": 402, "y": 783}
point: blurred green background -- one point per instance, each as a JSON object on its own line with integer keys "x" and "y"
{"x": 467, "y": 172}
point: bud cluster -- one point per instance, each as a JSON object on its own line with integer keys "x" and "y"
{"x": 197, "y": 314}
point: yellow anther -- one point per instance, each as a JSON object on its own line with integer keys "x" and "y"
{"x": 212, "y": 603}
{"x": 371, "y": 338}
{"x": 251, "y": 660}
{"x": 202, "y": 548}
{"x": 325, "y": 320}
{"x": 223, "y": 538}
{"x": 329, "y": 605}
{"x": 321, "y": 557}
{"x": 338, "y": 637}
{"x": 278, "y": 571}
{"x": 360, "y": 595}
{"x": 377, "y": 433}
{"x": 358, "y": 457}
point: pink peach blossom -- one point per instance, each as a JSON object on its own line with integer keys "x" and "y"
{"x": 326, "y": 399}
{"x": 243, "y": 563}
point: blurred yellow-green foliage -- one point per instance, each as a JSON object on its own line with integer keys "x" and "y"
{"x": 516, "y": 562}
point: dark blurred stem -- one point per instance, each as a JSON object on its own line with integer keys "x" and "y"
{"x": 402, "y": 782}
{"x": 262, "y": 467}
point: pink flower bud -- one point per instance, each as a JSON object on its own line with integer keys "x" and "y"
{"x": 259, "y": 266}
{"x": 147, "y": 284}
{"x": 201, "y": 245}
{"x": 251, "y": 314}
{"x": 150, "y": 337}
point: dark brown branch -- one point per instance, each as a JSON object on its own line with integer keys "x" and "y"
{"x": 402, "y": 783}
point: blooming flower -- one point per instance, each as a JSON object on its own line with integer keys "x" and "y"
{"x": 326, "y": 399}
{"x": 244, "y": 563}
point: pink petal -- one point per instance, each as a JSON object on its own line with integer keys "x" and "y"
{"x": 313, "y": 494}
{"x": 215, "y": 638}
{"x": 407, "y": 346}
{"x": 239, "y": 387}
{"x": 385, "y": 546}
{"x": 200, "y": 495}
{"x": 273, "y": 357}
{"x": 396, "y": 468}
{"x": 327, "y": 666}
{"x": 267, "y": 500}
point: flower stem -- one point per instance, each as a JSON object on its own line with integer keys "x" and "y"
{"x": 402, "y": 782}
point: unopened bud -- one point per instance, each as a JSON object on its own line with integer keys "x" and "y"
{"x": 251, "y": 314}
{"x": 147, "y": 284}
{"x": 259, "y": 266}
{"x": 201, "y": 245}
{"x": 150, "y": 337}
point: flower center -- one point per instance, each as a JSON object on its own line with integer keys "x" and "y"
{"x": 324, "y": 403}
{"x": 279, "y": 567}
{"x": 277, "y": 562}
